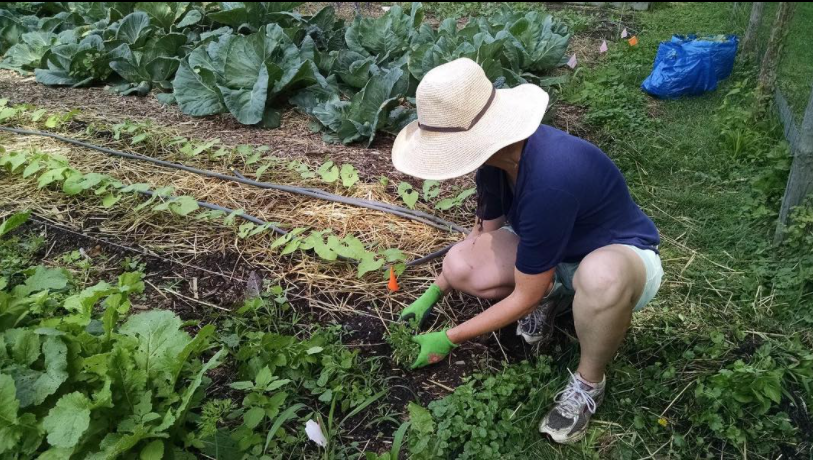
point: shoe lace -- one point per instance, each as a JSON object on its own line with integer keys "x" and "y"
{"x": 574, "y": 397}
{"x": 531, "y": 323}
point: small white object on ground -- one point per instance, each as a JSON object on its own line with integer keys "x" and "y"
{"x": 385, "y": 8}
{"x": 314, "y": 432}
{"x": 603, "y": 47}
{"x": 572, "y": 62}
{"x": 624, "y": 33}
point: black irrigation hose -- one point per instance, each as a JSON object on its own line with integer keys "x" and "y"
{"x": 258, "y": 221}
{"x": 314, "y": 193}
{"x": 418, "y": 216}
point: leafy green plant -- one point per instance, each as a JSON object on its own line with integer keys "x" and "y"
{"x": 727, "y": 399}
{"x": 431, "y": 190}
{"x": 484, "y": 418}
{"x": 404, "y": 350}
{"x": 408, "y": 194}
{"x": 245, "y": 75}
{"x": 456, "y": 201}
{"x": 79, "y": 383}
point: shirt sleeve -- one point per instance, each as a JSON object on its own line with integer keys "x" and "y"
{"x": 546, "y": 219}
{"x": 490, "y": 199}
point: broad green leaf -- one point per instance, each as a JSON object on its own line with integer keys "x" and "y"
{"x": 431, "y": 189}
{"x": 32, "y": 168}
{"x": 136, "y": 188}
{"x": 7, "y": 112}
{"x": 81, "y": 304}
{"x": 133, "y": 27}
{"x": 68, "y": 420}
{"x": 53, "y": 279}
{"x": 184, "y": 205}
{"x": 110, "y": 200}
{"x": 393, "y": 255}
{"x": 253, "y": 417}
{"x": 196, "y": 91}
{"x": 52, "y": 121}
{"x": 329, "y": 172}
{"x": 14, "y": 221}
{"x": 9, "y": 435}
{"x": 152, "y": 451}
{"x": 369, "y": 263}
{"x": 248, "y": 105}
{"x": 25, "y": 346}
{"x": 13, "y": 160}
{"x": 160, "y": 340}
{"x": 408, "y": 194}
{"x": 56, "y": 369}
{"x": 349, "y": 175}
{"x": 192, "y": 17}
{"x": 352, "y": 248}
{"x": 37, "y": 115}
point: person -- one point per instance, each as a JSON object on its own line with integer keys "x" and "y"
{"x": 554, "y": 214}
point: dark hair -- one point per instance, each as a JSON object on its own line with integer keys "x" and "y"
{"x": 480, "y": 211}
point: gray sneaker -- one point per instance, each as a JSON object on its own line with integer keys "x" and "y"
{"x": 567, "y": 422}
{"x": 538, "y": 326}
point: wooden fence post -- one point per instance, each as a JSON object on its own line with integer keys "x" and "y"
{"x": 750, "y": 39}
{"x": 770, "y": 61}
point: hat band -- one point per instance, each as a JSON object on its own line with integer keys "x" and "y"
{"x": 442, "y": 129}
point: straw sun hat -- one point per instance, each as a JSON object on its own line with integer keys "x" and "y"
{"x": 463, "y": 120}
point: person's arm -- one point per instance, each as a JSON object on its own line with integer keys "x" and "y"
{"x": 419, "y": 309}
{"x": 488, "y": 226}
{"x": 528, "y": 292}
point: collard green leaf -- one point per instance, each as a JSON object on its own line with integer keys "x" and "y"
{"x": 248, "y": 105}
{"x": 191, "y": 18}
{"x": 196, "y": 91}
{"x": 134, "y": 28}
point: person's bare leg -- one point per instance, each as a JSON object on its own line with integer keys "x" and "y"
{"x": 482, "y": 266}
{"x": 608, "y": 283}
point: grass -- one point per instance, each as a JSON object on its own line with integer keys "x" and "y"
{"x": 795, "y": 72}
{"x": 718, "y": 318}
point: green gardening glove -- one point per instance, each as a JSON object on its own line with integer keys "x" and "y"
{"x": 434, "y": 347}
{"x": 419, "y": 311}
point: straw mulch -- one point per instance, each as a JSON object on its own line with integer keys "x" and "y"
{"x": 328, "y": 287}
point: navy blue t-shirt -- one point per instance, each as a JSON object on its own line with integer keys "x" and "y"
{"x": 569, "y": 200}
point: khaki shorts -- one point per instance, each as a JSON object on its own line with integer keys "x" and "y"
{"x": 565, "y": 272}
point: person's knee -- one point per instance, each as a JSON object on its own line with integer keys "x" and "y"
{"x": 463, "y": 274}
{"x": 601, "y": 284}
{"x": 456, "y": 270}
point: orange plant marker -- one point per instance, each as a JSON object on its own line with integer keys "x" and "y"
{"x": 393, "y": 284}
{"x": 633, "y": 41}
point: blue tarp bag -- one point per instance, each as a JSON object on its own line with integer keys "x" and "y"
{"x": 722, "y": 50}
{"x": 688, "y": 66}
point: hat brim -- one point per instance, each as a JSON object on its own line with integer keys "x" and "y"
{"x": 514, "y": 115}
